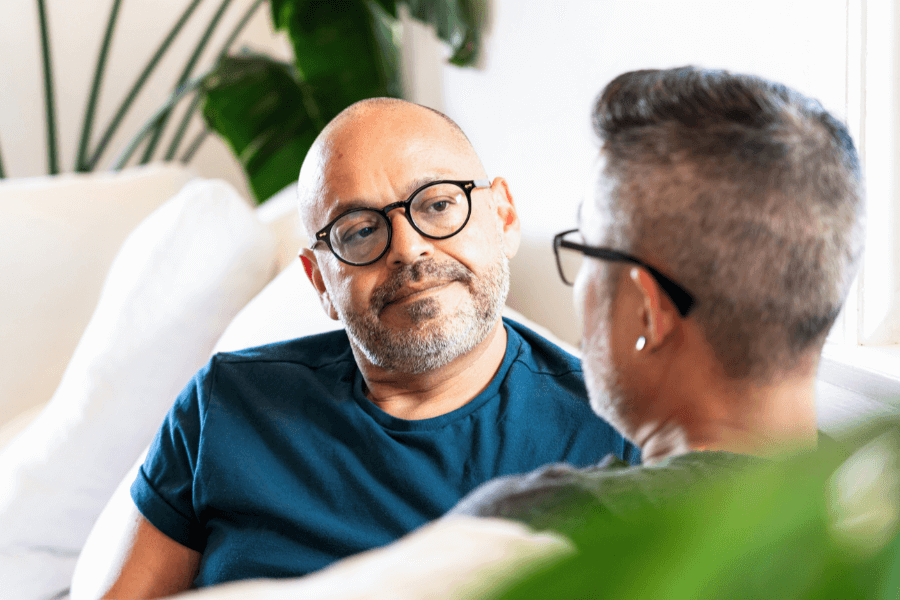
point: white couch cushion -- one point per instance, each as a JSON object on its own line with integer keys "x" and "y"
{"x": 58, "y": 237}
{"x": 180, "y": 277}
{"x": 455, "y": 557}
{"x": 281, "y": 214}
{"x": 287, "y": 308}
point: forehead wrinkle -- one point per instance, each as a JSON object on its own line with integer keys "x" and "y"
{"x": 345, "y": 205}
{"x": 354, "y": 127}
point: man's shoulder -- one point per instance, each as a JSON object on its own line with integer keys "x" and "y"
{"x": 263, "y": 377}
{"x": 545, "y": 385}
{"x": 314, "y": 351}
{"x": 541, "y": 355}
{"x": 549, "y": 496}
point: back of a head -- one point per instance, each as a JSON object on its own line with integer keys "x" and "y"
{"x": 748, "y": 194}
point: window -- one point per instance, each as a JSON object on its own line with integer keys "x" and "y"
{"x": 864, "y": 346}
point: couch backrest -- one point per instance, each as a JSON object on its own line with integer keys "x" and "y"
{"x": 58, "y": 238}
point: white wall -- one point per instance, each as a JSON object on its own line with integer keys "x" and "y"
{"x": 77, "y": 28}
{"x": 527, "y": 111}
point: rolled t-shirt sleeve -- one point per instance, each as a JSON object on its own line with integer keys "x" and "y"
{"x": 164, "y": 488}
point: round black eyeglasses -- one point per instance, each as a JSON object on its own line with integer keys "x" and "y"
{"x": 437, "y": 210}
{"x": 569, "y": 254}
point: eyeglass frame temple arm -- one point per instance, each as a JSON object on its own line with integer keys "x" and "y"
{"x": 680, "y": 297}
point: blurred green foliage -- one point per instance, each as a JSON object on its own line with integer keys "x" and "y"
{"x": 814, "y": 526}
{"x": 270, "y": 112}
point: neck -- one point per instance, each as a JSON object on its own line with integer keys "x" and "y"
{"x": 741, "y": 417}
{"x": 439, "y": 391}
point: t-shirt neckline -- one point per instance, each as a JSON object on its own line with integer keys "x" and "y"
{"x": 387, "y": 421}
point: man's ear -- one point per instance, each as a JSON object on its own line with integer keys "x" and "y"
{"x": 311, "y": 268}
{"x": 509, "y": 218}
{"x": 659, "y": 315}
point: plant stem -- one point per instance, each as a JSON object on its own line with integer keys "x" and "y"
{"x": 139, "y": 83}
{"x": 189, "y": 112}
{"x": 192, "y": 110}
{"x": 2, "y": 170}
{"x": 239, "y": 27}
{"x": 81, "y": 163}
{"x": 52, "y": 151}
{"x": 185, "y": 73}
{"x": 161, "y": 112}
{"x": 194, "y": 146}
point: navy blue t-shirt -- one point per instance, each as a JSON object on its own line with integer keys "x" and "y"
{"x": 273, "y": 463}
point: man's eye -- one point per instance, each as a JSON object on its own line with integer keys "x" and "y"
{"x": 440, "y": 204}
{"x": 358, "y": 233}
{"x": 363, "y": 232}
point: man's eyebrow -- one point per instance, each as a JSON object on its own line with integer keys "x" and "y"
{"x": 423, "y": 180}
{"x": 347, "y": 205}
{"x": 351, "y": 203}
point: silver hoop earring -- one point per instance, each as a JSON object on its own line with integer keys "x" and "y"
{"x": 641, "y": 342}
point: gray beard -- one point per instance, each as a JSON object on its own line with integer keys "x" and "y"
{"x": 434, "y": 339}
{"x": 607, "y": 397}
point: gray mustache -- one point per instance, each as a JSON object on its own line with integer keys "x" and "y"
{"x": 426, "y": 269}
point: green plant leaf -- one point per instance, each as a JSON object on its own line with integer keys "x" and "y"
{"x": 281, "y": 11}
{"x": 345, "y": 51}
{"x": 257, "y": 105}
{"x": 337, "y": 53}
{"x": 142, "y": 78}
{"x": 49, "y": 96}
{"x": 270, "y": 112}
{"x": 388, "y": 34}
{"x": 195, "y": 104}
{"x": 389, "y": 6}
{"x": 185, "y": 74}
{"x": 457, "y": 22}
{"x": 81, "y": 159}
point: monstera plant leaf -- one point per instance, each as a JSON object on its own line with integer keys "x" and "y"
{"x": 457, "y": 23}
{"x": 270, "y": 112}
{"x": 256, "y": 104}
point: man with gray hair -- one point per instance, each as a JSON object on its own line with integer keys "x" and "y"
{"x": 722, "y": 229}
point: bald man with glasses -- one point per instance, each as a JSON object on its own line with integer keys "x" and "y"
{"x": 277, "y": 461}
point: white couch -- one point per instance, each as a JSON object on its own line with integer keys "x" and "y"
{"x": 119, "y": 286}
{"x": 172, "y": 267}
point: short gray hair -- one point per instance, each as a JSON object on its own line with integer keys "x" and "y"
{"x": 744, "y": 191}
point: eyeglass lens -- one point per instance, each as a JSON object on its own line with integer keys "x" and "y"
{"x": 570, "y": 260}
{"x": 437, "y": 211}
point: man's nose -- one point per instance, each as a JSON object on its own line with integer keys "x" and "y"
{"x": 407, "y": 244}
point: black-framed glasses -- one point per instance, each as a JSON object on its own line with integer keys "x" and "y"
{"x": 437, "y": 210}
{"x": 570, "y": 254}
